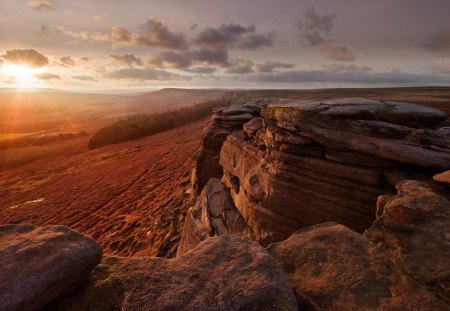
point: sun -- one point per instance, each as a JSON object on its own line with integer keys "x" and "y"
{"x": 23, "y": 75}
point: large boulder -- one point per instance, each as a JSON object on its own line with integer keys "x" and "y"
{"x": 401, "y": 263}
{"x": 37, "y": 264}
{"x": 222, "y": 273}
{"x": 334, "y": 268}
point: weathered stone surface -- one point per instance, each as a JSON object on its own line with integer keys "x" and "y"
{"x": 338, "y": 269}
{"x": 240, "y": 117}
{"x": 213, "y": 214}
{"x": 222, "y": 273}
{"x": 357, "y": 159}
{"x": 237, "y": 110}
{"x": 414, "y": 230}
{"x": 37, "y": 264}
{"x": 443, "y": 177}
{"x": 253, "y": 125}
{"x": 384, "y": 130}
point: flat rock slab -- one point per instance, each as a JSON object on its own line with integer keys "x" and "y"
{"x": 236, "y": 110}
{"x": 37, "y": 264}
{"x": 222, "y": 273}
{"x": 364, "y": 109}
{"x": 230, "y": 118}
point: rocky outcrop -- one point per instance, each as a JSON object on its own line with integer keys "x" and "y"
{"x": 222, "y": 273}
{"x": 214, "y": 214}
{"x": 39, "y": 264}
{"x": 224, "y": 122}
{"x": 401, "y": 263}
{"x": 303, "y": 162}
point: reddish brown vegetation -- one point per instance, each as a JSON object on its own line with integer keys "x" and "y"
{"x": 130, "y": 197}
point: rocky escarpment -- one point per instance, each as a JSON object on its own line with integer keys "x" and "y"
{"x": 224, "y": 122}
{"x": 304, "y": 162}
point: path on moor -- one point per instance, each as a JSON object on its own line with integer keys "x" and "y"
{"x": 130, "y": 197}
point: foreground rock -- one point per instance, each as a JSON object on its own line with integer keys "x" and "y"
{"x": 222, "y": 273}
{"x": 401, "y": 263}
{"x": 39, "y": 264}
{"x": 414, "y": 230}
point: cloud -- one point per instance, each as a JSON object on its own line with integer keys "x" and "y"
{"x": 127, "y": 59}
{"x": 116, "y": 36}
{"x": 156, "y": 33}
{"x": 169, "y": 59}
{"x": 439, "y": 69}
{"x": 341, "y": 68}
{"x": 270, "y": 66}
{"x": 185, "y": 59}
{"x": 321, "y": 76}
{"x": 25, "y": 57}
{"x": 67, "y": 61}
{"x": 233, "y": 36}
{"x": 145, "y": 74}
{"x": 40, "y": 5}
{"x": 202, "y": 70}
{"x": 311, "y": 22}
{"x": 100, "y": 17}
{"x": 335, "y": 52}
{"x": 211, "y": 57}
{"x": 439, "y": 42}
{"x": 47, "y": 76}
{"x": 315, "y": 31}
{"x": 85, "y": 78}
{"x": 241, "y": 66}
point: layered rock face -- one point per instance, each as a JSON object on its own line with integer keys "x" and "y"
{"x": 304, "y": 163}
{"x": 223, "y": 123}
{"x": 39, "y": 264}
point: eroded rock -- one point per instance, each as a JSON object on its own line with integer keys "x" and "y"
{"x": 338, "y": 269}
{"x": 222, "y": 273}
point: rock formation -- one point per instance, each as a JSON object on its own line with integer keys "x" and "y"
{"x": 223, "y": 123}
{"x": 39, "y": 264}
{"x": 307, "y": 162}
{"x": 222, "y": 273}
{"x": 324, "y": 185}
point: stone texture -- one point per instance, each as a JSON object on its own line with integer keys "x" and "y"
{"x": 222, "y": 273}
{"x": 37, "y": 264}
{"x": 303, "y": 163}
{"x": 396, "y": 131}
{"x": 414, "y": 229}
{"x": 224, "y": 122}
{"x": 333, "y": 268}
{"x": 443, "y": 177}
{"x": 213, "y": 214}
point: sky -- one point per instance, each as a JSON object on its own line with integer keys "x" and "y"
{"x": 148, "y": 44}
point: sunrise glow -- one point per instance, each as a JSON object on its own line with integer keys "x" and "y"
{"x": 21, "y": 76}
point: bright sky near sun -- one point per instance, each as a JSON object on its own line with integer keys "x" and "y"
{"x": 210, "y": 43}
